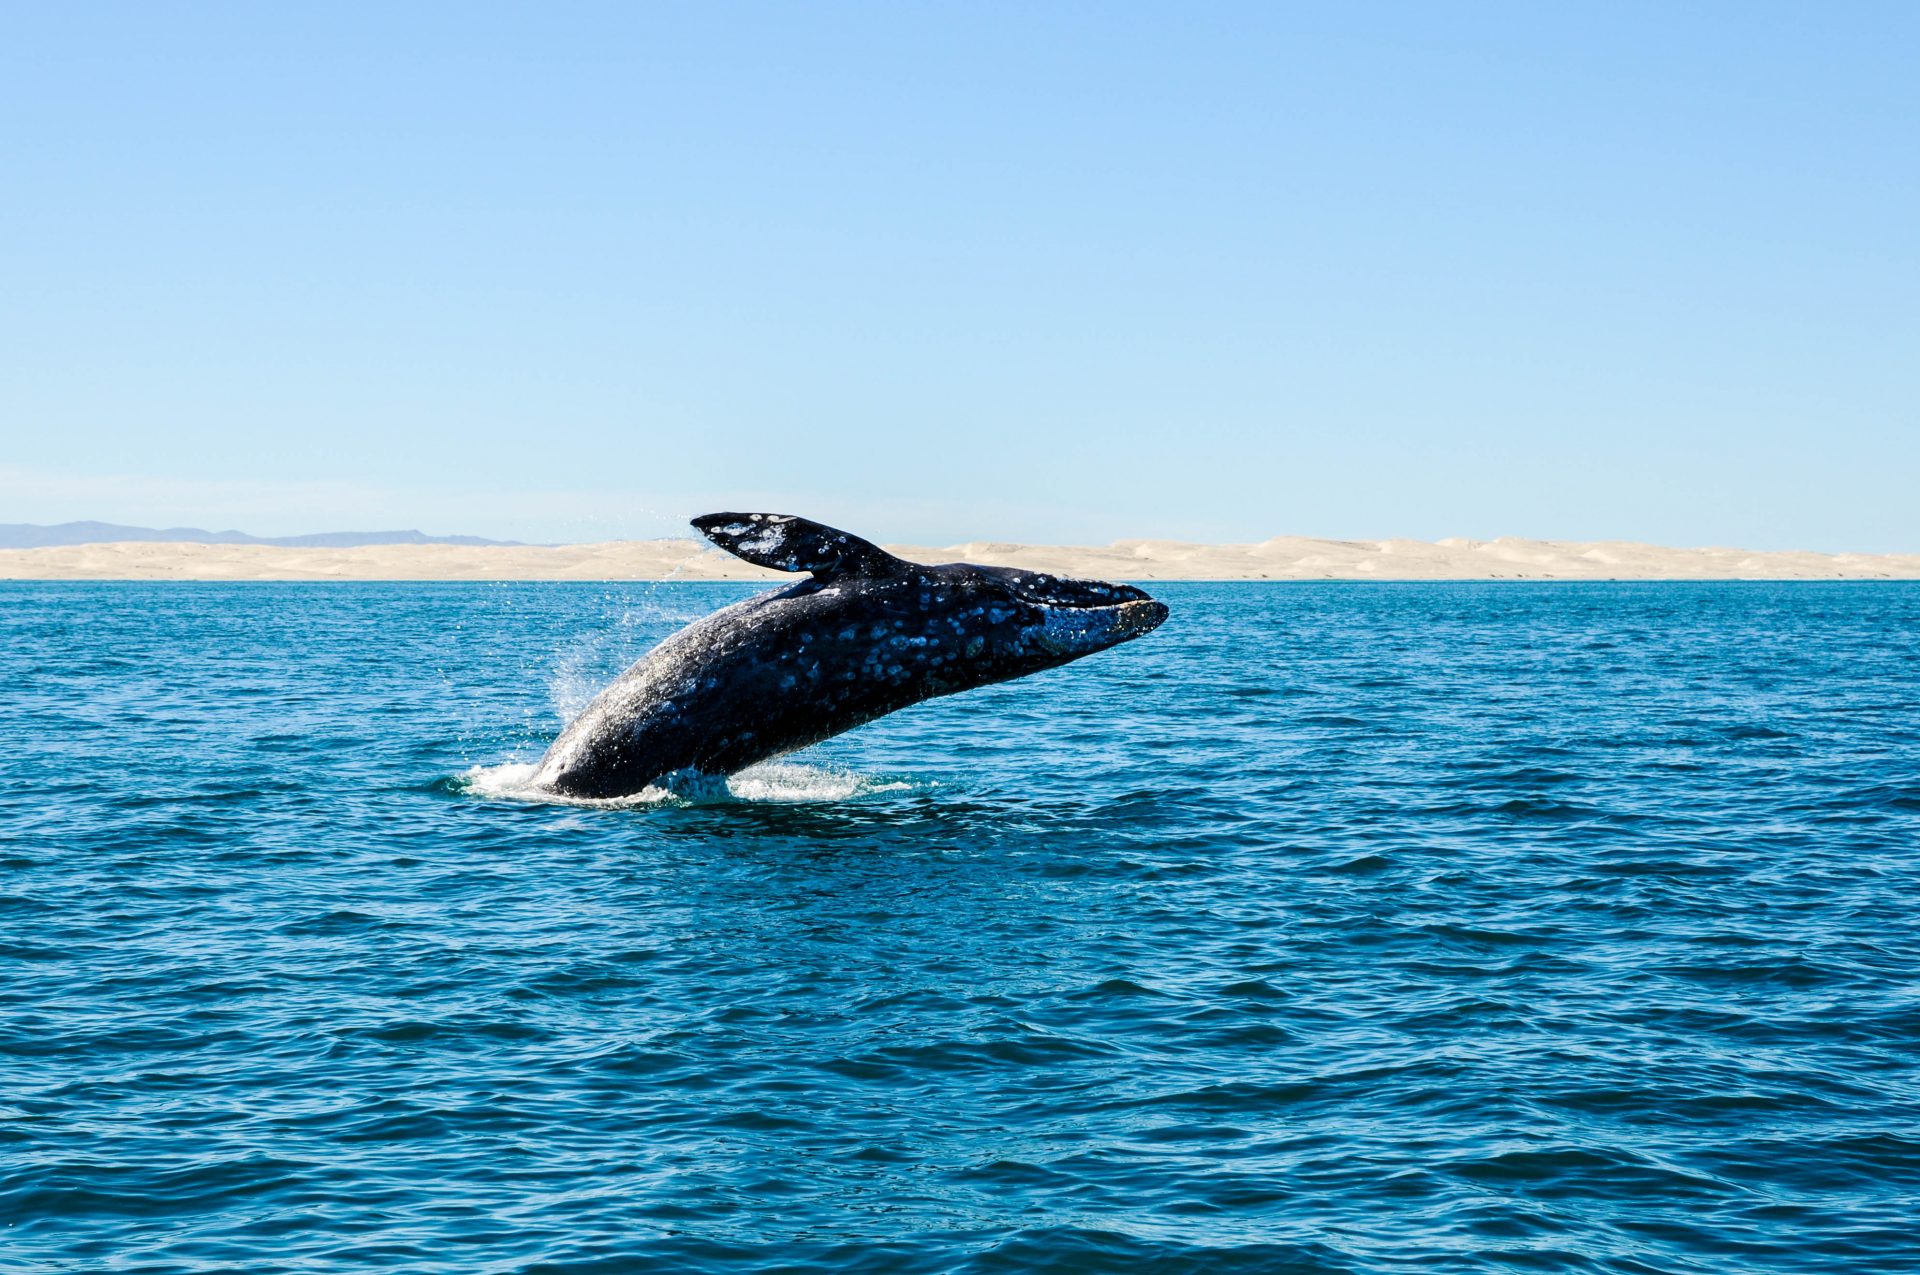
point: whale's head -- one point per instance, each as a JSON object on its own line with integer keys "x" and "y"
{"x": 1006, "y": 623}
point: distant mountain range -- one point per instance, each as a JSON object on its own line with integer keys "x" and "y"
{"x": 27, "y": 535}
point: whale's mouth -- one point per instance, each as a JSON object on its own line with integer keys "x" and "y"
{"x": 1081, "y": 629}
{"x": 1141, "y": 616}
{"x": 1083, "y": 616}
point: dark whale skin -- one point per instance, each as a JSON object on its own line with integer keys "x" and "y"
{"x": 868, "y": 635}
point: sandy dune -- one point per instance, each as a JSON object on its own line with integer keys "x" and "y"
{"x": 1283, "y": 558}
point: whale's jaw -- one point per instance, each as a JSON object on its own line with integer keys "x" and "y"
{"x": 1077, "y": 631}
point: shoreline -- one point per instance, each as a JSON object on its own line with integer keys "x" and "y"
{"x": 1281, "y": 559}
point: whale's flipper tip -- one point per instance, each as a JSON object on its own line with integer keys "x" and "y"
{"x": 786, "y": 543}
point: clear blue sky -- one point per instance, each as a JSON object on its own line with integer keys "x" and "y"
{"x": 967, "y": 271}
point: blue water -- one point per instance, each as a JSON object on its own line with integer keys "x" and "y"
{"x": 1332, "y": 928}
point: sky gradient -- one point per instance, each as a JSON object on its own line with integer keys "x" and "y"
{"x": 939, "y": 272}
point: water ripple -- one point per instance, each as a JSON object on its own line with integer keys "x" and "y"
{"x": 1335, "y": 928}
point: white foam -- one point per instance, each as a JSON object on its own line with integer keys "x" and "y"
{"x": 769, "y": 783}
{"x": 791, "y": 781}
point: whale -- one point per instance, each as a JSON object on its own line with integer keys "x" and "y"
{"x": 864, "y": 634}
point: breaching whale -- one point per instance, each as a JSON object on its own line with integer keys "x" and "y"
{"x": 865, "y": 634}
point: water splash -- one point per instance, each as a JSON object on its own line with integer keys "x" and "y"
{"x": 633, "y": 625}
{"x": 774, "y": 782}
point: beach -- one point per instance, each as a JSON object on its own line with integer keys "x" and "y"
{"x": 1281, "y": 558}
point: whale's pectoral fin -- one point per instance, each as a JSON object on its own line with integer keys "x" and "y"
{"x": 786, "y": 543}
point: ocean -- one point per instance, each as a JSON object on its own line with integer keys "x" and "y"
{"x": 1330, "y": 928}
